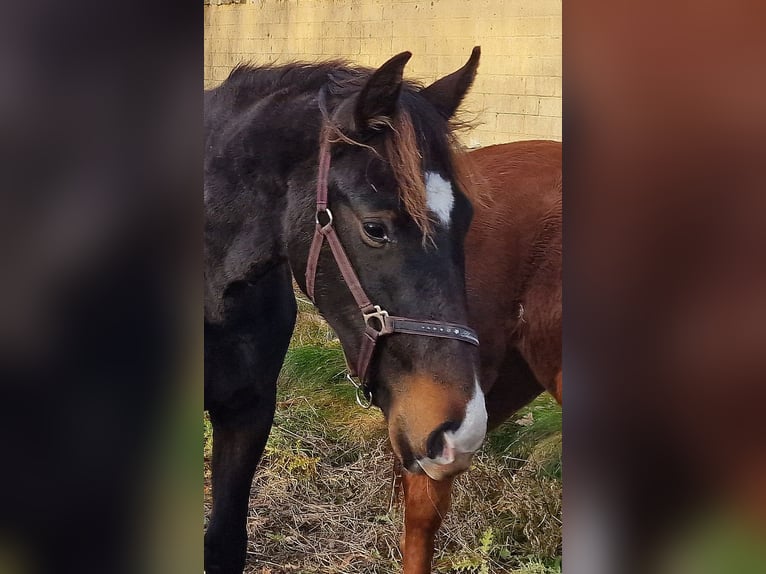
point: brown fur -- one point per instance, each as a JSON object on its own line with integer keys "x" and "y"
{"x": 513, "y": 261}
{"x": 468, "y": 179}
{"x": 422, "y": 390}
{"x": 513, "y": 264}
{"x": 426, "y": 502}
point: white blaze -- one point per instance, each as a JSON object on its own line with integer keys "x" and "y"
{"x": 439, "y": 196}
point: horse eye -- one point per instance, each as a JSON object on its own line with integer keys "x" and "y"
{"x": 375, "y": 231}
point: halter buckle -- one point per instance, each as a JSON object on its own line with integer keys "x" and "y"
{"x": 379, "y": 315}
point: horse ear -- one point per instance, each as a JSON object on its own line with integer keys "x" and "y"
{"x": 380, "y": 95}
{"x": 447, "y": 93}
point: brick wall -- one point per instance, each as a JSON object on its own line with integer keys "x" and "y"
{"x": 517, "y": 94}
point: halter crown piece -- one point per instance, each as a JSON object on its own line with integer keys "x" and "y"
{"x": 378, "y": 322}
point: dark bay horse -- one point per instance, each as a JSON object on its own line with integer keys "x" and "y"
{"x": 513, "y": 280}
{"x": 345, "y": 178}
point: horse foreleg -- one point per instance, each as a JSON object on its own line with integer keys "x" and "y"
{"x": 426, "y": 502}
{"x": 237, "y": 448}
{"x": 242, "y": 362}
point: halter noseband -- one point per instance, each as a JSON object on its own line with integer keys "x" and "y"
{"x": 378, "y": 322}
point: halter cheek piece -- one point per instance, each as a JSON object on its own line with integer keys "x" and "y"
{"x": 378, "y": 322}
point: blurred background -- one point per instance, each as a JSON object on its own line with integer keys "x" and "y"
{"x": 100, "y": 306}
{"x": 665, "y": 287}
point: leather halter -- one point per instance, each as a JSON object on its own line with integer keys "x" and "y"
{"x": 378, "y": 322}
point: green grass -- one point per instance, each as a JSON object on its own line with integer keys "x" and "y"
{"x": 532, "y": 434}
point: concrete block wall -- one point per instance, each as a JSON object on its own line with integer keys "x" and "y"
{"x": 517, "y": 94}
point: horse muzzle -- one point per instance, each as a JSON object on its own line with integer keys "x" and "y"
{"x": 450, "y": 448}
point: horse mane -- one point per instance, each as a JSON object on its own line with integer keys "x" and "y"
{"x": 415, "y": 121}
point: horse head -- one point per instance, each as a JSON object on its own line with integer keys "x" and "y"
{"x": 395, "y": 201}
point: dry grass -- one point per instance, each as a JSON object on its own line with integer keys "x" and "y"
{"x": 322, "y": 499}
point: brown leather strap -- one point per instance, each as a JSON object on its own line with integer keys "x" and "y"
{"x": 405, "y": 326}
{"x": 347, "y": 270}
{"x": 324, "y": 169}
{"x": 369, "y": 340}
{"x": 433, "y": 329}
{"x": 341, "y": 259}
{"x": 321, "y": 206}
{"x": 313, "y": 261}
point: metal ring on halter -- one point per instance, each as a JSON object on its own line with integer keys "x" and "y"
{"x": 361, "y": 395}
{"x": 329, "y": 215}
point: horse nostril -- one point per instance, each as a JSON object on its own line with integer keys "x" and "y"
{"x": 435, "y": 442}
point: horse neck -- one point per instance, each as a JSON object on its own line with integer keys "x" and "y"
{"x": 285, "y": 140}
{"x": 253, "y": 155}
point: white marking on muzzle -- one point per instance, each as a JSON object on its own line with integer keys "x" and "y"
{"x": 470, "y": 434}
{"x": 459, "y": 445}
{"x": 439, "y": 196}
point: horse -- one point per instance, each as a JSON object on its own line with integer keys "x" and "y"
{"x": 513, "y": 281}
{"x": 345, "y": 178}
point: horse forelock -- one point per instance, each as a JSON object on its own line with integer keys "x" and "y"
{"x": 415, "y": 132}
{"x": 417, "y": 121}
{"x": 406, "y": 160}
